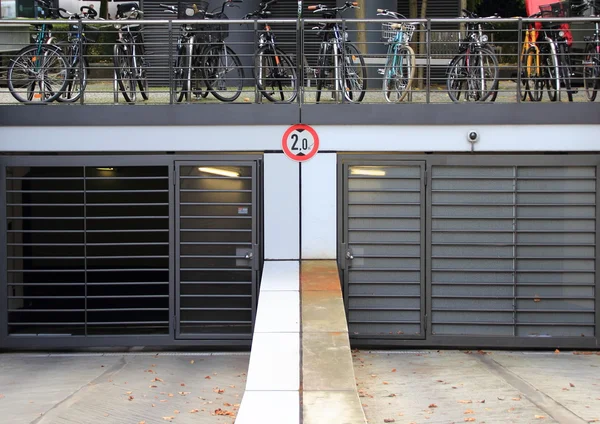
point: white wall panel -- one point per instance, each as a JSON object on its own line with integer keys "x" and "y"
{"x": 282, "y": 207}
{"x": 348, "y": 138}
{"x": 319, "y": 207}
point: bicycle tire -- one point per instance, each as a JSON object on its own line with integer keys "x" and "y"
{"x": 496, "y": 83}
{"x": 182, "y": 73}
{"x": 551, "y": 76}
{"x": 565, "y": 70}
{"x": 220, "y": 60}
{"x": 321, "y": 70}
{"x": 455, "y": 78}
{"x": 276, "y": 81}
{"x": 54, "y": 74}
{"x": 75, "y": 84}
{"x": 591, "y": 72}
{"x": 536, "y": 90}
{"x": 354, "y": 74}
{"x": 398, "y": 79}
{"x": 142, "y": 82}
{"x": 124, "y": 73}
{"x": 485, "y": 59}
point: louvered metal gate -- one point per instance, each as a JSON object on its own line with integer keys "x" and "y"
{"x": 382, "y": 250}
{"x": 217, "y": 249}
{"x": 513, "y": 250}
{"x": 482, "y": 251}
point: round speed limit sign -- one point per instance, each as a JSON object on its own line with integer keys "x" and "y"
{"x": 300, "y": 142}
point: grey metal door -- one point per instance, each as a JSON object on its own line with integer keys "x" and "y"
{"x": 216, "y": 249}
{"x": 382, "y": 249}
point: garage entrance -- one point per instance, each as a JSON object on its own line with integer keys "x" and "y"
{"x": 472, "y": 250}
{"x": 129, "y": 250}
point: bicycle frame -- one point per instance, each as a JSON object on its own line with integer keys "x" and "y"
{"x": 530, "y": 41}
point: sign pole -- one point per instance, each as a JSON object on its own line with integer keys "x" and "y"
{"x": 299, "y": 54}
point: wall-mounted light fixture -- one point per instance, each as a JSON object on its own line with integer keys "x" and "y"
{"x": 370, "y": 172}
{"x": 219, "y": 171}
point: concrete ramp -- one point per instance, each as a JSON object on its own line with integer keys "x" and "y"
{"x": 300, "y": 351}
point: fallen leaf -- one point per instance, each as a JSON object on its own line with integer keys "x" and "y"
{"x": 571, "y": 384}
{"x": 184, "y": 393}
{"x": 393, "y": 369}
{"x": 193, "y": 411}
{"x": 182, "y": 384}
{"x": 164, "y": 400}
{"x": 557, "y": 351}
{"x": 433, "y": 405}
{"x": 158, "y": 379}
{"x": 192, "y": 361}
{"x": 153, "y": 405}
{"x": 153, "y": 365}
{"x": 227, "y": 404}
{"x": 128, "y": 393}
{"x": 469, "y": 411}
{"x": 481, "y": 401}
{"x": 153, "y": 386}
{"x": 470, "y": 420}
{"x": 219, "y": 391}
{"x": 516, "y": 399}
{"x": 392, "y": 395}
{"x": 208, "y": 377}
{"x": 176, "y": 411}
{"x": 385, "y": 382}
{"x": 150, "y": 371}
{"x": 540, "y": 417}
{"x": 168, "y": 418}
{"x": 232, "y": 386}
{"x": 142, "y": 422}
{"x": 501, "y": 397}
{"x": 224, "y": 412}
{"x": 1, "y": 396}
{"x": 537, "y": 299}
{"x": 171, "y": 395}
{"x": 389, "y": 420}
{"x": 130, "y": 398}
{"x": 465, "y": 401}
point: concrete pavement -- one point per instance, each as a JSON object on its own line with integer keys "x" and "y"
{"x": 481, "y": 387}
{"x": 121, "y": 389}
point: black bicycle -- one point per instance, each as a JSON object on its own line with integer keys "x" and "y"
{"x": 340, "y": 64}
{"x": 273, "y": 69}
{"x": 591, "y": 60}
{"x": 130, "y": 66}
{"x": 473, "y": 73}
{"x": 75, "y": 50}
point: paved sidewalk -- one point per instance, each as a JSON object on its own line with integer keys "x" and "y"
{"x": 481, "y": 387}
{"x": 121, "y": 388}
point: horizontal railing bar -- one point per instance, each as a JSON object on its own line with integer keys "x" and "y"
{"x": 215, "y": 309}
{"x": 191, "y": 296}
{"x": 215, "y": 217}
{"x": 214, "y": 322}
{"x": 543, "y": 271}
{"x": 510, "y": 257}
{"x": 510, "y": 283}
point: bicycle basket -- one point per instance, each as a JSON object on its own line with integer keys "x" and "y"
{"x": 217, "y": 32}
{"x": 195, "y": 10}
{"x": 388, "y": 34}
{"x": 555, "y": 10}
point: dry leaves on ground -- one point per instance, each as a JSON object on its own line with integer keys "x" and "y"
{"x": 158, "y": 379}
{"x": 469, "y": 411}
{"x": 193, "y": 411}
{"x": 571, "y": 384}
{"x": 393, "y": 369}
{"x": 389, "y": 420}
{"x": 433, "y": 405}
{"x": 539, "y": 417}
{"x": 220, "y": 411}
{"x": 557, "y": 351}
{"x": 208, "y": 377}
{"x": 465, "y": 401}
{"x": 168, "y": 418}
{"x": 470, "y": 420}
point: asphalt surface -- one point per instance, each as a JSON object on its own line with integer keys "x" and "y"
{"x": 480, "y": 387}
{"x": 121, "y": 389}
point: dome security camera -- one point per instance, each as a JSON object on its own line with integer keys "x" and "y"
{"x": 473, "y": 136}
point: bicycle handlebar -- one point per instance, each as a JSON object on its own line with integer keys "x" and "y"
{"x": 323, "y": 8}
{"x": 386, "y": 12}
{"x": 262, "y": 10}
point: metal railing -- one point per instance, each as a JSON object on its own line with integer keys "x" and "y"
{"x": 498, "y": 65}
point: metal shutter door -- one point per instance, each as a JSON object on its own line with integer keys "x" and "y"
{"x": 156, "y": 40}
{"x": 513, "y": 251}
{"x": 384, "y": 234}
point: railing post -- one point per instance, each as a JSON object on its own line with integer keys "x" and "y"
{"x": 300, "y": 55}
{"x": 170, "y": 66}
{"x": 80, "y": 53}
{"x": 428, "y": 68}
{"x": 257, "y": 94}
{"x": 519, "y": 58}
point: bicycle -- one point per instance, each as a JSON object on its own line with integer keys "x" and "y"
{"x": 76, "y": 51}
{"x": 557, "y": 72}
{"x": 340, "y": 64}
{"x": 274, "y": 71}
{"x": 532, "y": 83}
{"x": 203, "y": 56}
{"x": 38, "y": 72}
{"x": 399, "y": 70}
{"x": 130, "y": 67}
{"x": 591, "y": 61}
{"x": 474, "y": 70}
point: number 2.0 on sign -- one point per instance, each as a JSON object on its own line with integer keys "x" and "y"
{"x": 300, "y": 143}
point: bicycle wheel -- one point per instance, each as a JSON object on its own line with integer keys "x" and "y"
{"x": 223, "y": 72}
{"x": 38, "y": 74}
{"x": 182, "y": 73}
{"x": 564, "y": 69}
{"x": 456, "y": 77}
{"x": 536, "y": 81}
{"x": 76, "y": 83}
{"x": 275, "y": 75}
{"x": 591, "y": 66}
{"x": 142, "y": 80}
{"x": 323, "y": 70}
{"x": 354, "y": 74}
{"x": 124, "y": 73}
{"x": 551, "y": 76}
{"x": 483, "y": 76}
{"x": 398, "y": 73}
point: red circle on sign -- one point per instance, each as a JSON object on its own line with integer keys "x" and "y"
{"x": 288, "y": 138}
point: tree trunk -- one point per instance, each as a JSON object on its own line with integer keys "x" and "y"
{"x": 361, "y": 27}
{"x": 413, "y": 9}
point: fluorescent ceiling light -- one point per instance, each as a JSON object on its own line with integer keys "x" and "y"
{"x": 368, "y": 171}
{"x": 218, "y": 171}
{"x": 105, "y": 169}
